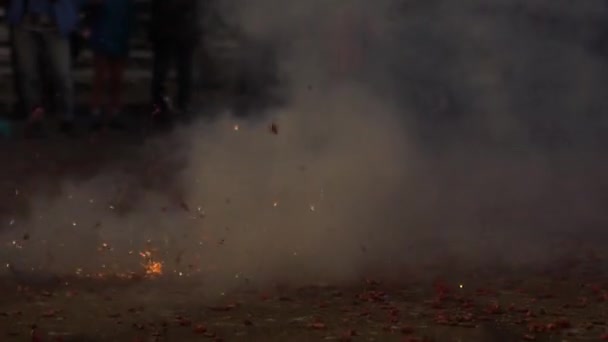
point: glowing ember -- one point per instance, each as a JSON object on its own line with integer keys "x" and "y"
{"x": 153, "y": 268}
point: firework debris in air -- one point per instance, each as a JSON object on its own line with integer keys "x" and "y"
{"x": 274, "y": 128}
{"x": 153, "y": 268}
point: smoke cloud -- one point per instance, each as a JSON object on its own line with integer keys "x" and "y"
{"x": 461, "y": 134}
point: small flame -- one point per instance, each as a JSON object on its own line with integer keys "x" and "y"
{"x": 153, "y": 268}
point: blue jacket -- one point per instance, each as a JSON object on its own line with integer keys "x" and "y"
{"x": 65, "y": 12}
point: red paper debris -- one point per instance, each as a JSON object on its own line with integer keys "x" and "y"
{"x": 227, "y": 307}
{"x": 441, "y": 288}
{"x": 350, "y": 333}
{"x": 563, "y": 323}
{"x": 437, "y": 303}
{"x": 485, "y": 292}
{"x": 536, "y": 327}
{"x": 406, "y": 330}
{"x": 138, "y": 326}
{"x": 318, "y": 326}
{"x": 494, "y": 309}
{"x": 183, "y": 322}
{"x": 467, "y": 304}
{"x": 412, "y": 339}
{"x": 49, "y": 314}
{"x": 200, "y": 329}
{"x": 595, "y": 288}
{"x": 441, "y": 318}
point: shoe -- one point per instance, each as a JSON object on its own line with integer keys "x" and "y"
{"x": 162, "y": 116}
{"x": 67, "y": 127}
{"x": 36, "y": 115}
{"x": 117, "y": 121}
{"x": 185, "y": 115}
{"x": 34, "y": 128}
{"x": 5, "y": 128}
{"x": 96, "y": 120}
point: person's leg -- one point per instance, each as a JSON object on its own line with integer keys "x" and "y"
{"x": 19, "y": 108}
{"x": 26, "y": 50}
{"x": 116, "y": 72}
{"x": 57, "y": 50}
{"x": 185, "y": 58}
{"x": 99, "y": 84}
{"x": 162, "y": 63}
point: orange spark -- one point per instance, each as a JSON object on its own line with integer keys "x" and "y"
{"x": 153, "y": 268}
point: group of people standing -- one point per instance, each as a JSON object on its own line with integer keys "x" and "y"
{"x": 43, "y": 32}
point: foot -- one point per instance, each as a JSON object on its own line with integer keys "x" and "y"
{"x": 96, "y": 119}
{"x": 36, "y": 116}
{"x": 67, "y": 127}
{"x": 117, "y": 121}
{"x": 162, "y": 116}
{"x": 5, "y": 128}
{"x": 35, "y": 130}
{"x": 185, "y": 115}
{"x": 34, "y": 127}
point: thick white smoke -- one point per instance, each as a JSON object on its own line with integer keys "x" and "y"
{"x": 347, "y": 187}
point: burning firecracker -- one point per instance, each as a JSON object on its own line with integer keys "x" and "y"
{"x": 153, "y": 268}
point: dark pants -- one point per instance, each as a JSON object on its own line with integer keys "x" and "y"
{"x": 19, "y": 107}
{"x": 166, "y": 55}
{"x": 32, "y": 48}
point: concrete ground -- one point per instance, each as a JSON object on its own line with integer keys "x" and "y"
{"x": 510, "y": 308}
{"x": 569, "y": 303}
